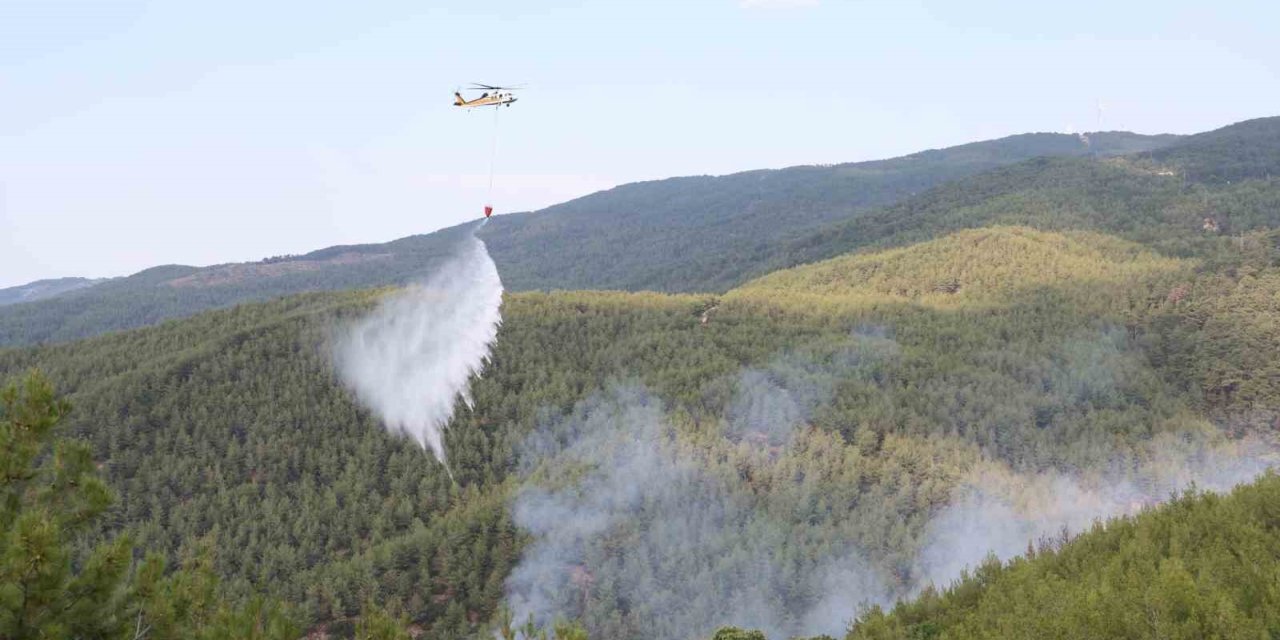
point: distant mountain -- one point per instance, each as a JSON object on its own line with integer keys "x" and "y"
{"x": 174, "y": 291}
{"x": 704, "y": 233}
{"x": 1176, "y": 197}
{"x": 1249, "y": 149}
{"x": 682, "y": 234}
{"x": 44, "y": 289}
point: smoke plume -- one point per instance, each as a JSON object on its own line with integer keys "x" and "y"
{"x": 645, "y": 526}
{"x": 998, "y": 513}
{"x": 412, "y": 358}
{"x": 638, "y": 526}
{"x": 636, "y": 530}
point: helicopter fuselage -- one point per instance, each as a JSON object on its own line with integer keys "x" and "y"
{"x": 495, "y": 99}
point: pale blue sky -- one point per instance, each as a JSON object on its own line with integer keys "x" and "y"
{"x": 142, "y": 133}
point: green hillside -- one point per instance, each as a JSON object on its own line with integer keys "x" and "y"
{"x": 42, "y": 289}
{"x": 977, "y": 267}
{"x": 911, "y": 372}
{"x": 682, "y": 234}
{"x": 1202, "y": 567}
{"x": 1147, "y": 198}
{"x": 295, "y": 477}
{"x": 712, "y": 233}
{"x": 171, "y": 291}
{"x": 1248, "y": 150}
{"x": 705, "y": 233}
{"x": 1026, "y": 349}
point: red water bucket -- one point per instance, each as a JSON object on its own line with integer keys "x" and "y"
{"x": 488, "y": 211}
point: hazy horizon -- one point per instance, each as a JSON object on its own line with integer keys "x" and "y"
{"x": 148, "y": 133}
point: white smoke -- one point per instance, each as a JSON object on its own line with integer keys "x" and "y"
{"x": 641, "y": 528}
{"x": 769, "y": 404}
{"x": 999, "y": 513}
{"x": 628, "y": 519}
{"x": 629, "y": 522}
{"x": 412, "y": 357}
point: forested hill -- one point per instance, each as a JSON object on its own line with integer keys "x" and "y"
{"x": 1005, "y": 356}
{"x": 1249, "y": 149}
{"x": 1183, "y": 199}
{"x": 42, "y": 289}
{"x": 175, "y": 291}
{"x": 704, "y": 233}
{"x": 682, "y": 234}
{"x": 802, "y": 432}
{"x": 1202, "y": 567}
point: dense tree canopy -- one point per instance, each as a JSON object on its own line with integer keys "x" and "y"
{"x": 1062, "y": 322}
{"x": 1011, "y": 346}
{"x": 1202, "y": 567}
{"x": 57, "y": 581}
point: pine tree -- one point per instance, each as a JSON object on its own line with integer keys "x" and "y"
{"x": 50, "y": 496}
{"x": 51, "y": 587}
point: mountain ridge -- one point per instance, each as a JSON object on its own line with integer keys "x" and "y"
{"x": 691, "y": 233}
{"x": 45, "y": 289}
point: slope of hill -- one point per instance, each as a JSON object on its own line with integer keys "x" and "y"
{"x": 682, "y": 234}
{"x": 831, "y": 413}
{"x": 1136, "y": 197}
{"x": 1201, "y": 567}
{"x": 1249, "y": 149}
{"x": 971, "y": 268}
{"x": 703, "y": 233}
{"x": 175, "y": 291}
{"x": 42, "y": 289}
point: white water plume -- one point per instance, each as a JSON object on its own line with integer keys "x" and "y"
{"x": 412, "y": 357}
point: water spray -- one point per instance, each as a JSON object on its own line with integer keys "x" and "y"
{"x": 411, "y": 359}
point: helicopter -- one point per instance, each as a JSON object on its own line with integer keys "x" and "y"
{"x": 492, "y": 96}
